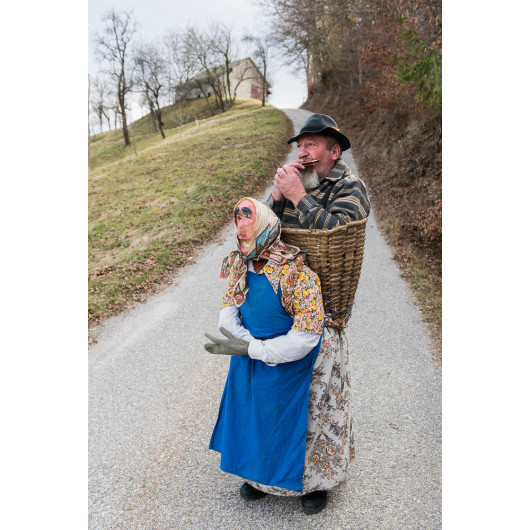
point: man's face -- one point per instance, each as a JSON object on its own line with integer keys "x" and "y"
{"x": 245, "y": 215}
{"x": 314, "y": 146}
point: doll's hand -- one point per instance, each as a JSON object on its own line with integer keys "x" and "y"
{"x": 231, "y": 346}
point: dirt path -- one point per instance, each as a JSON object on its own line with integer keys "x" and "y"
{"x": 154, "y": 394}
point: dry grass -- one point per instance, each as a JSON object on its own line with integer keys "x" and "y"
{"x": 148, "y": 214}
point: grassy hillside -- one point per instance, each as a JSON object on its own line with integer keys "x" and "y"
{"x": 148, "y": 214}
{"x": 108, "y": 146}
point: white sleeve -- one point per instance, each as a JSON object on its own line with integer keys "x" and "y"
{"x": 283, "y": 349}
{"x": 230, "y": 320}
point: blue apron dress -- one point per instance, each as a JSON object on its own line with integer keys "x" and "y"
{"x": 262, "y": 423}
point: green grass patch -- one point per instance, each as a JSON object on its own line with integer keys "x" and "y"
{"x": 109, "y": 146}
{"x": 147, "y": 214}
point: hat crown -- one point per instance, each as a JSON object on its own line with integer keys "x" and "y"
{"x": 325, "y": 125}
{"x": 319, "y": 122}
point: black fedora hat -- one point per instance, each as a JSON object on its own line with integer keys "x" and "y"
{"x": 325, "y": 125}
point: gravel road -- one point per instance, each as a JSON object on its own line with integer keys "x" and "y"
{"x": 154, "y": 394}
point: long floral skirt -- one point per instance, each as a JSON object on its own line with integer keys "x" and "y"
{"x": 330, "y": 442}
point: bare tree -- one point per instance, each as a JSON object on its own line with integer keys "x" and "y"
{"x": 225, "y": 51}
{"x": 233, "y": 71}
{"x": 261, "y": 54}
{"x": 366, "y": 51}
{"x": 205, "y": 52}
{"x": 113, "y": 47}
{"x": 150, "y": 74}
{"x": 296, "y": 32}
{"x": 215, "y": 52}
{"x": 182, "y": 67}
{"x": 101, "y": 101}
{"x": 320, "y": 37}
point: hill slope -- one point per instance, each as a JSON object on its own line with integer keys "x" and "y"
{"x": 109, "y": 146}
{"x": 148, "y": 214}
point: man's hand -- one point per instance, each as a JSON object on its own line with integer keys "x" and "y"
{"x": 287, "y": 183}
{"x": 232, "y": 346}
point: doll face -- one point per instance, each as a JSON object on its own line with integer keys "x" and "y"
{"x": 245, "y": 218}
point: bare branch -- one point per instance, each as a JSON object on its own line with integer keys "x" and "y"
{"x": 113, "y": 50}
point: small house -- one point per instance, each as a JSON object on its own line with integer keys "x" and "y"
{"x": 246, "y": 81}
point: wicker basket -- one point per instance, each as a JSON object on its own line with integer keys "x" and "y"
{"x": 336, "y": 255}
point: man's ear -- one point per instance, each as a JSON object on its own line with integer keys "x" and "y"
{"x": 335, "y": 152}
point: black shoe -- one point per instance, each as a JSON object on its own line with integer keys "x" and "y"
{"x": 250, "y": 493}
{"x": 314, "y": 502}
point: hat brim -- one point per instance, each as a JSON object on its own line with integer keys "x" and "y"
{"x": 326, "y": 131}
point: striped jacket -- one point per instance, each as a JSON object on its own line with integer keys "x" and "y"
{"x": 340, "y": 199}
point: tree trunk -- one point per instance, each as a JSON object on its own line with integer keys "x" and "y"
{"x": 160, "y": 122}
{"x": 153, "y": 118}
{"x": 125, "y": 129}
{"x": 121, "y": 103}
{"x": 230, "y": 101}
{"x": 221, "y": 102}
{"x": 264, "y": 87}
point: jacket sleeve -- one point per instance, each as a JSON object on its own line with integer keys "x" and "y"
{"x": 349, "y": 203}
{"x": 276, "y": 206}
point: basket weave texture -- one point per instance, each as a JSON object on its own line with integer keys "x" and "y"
{"x": 336, "y": 255}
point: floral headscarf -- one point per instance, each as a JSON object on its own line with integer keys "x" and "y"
{"x": 265, "y": 244}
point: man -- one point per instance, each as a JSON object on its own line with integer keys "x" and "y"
{"x": 326, "y": 194}
{"x": 318, "y": 190}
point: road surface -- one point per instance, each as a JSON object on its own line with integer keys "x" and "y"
{"x": 154, "y": 394}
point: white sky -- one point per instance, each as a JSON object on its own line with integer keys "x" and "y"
{"x": 156, "y": 16}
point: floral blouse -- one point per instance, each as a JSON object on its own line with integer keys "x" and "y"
{"x": 301, "y": 294}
